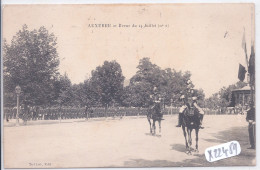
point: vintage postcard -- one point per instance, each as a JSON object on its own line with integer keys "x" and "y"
{"x": 128, "y": 85}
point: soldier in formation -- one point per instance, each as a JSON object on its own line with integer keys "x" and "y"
{"x": 8, "y": 113}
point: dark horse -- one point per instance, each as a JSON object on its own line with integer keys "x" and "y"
{"x": 154, "y": 113}
{"x": 189, "y": 122}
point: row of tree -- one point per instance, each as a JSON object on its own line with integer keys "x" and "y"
{"x": 31, "y": 61}
{"x": 223, "y": 98}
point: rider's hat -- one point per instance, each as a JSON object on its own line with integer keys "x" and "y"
{"x": 194, "y": 98}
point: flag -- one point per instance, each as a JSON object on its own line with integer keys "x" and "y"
{"x": 251, "y": 67}
{"x": 241, "y": 72}
{"x": 244, "y": 47}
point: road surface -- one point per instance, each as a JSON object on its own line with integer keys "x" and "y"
{"x": 119, "y": 142}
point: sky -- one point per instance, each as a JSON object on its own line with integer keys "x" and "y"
{"x": 205, "y": 39}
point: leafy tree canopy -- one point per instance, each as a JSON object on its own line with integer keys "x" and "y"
{"x": 31, "y": 61}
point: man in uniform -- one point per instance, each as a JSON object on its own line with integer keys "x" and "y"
{"x": 250, "y": 118}
{"x": 157, "y": 102}
{"x": 7, "y": 113}
{"x": 88, "y": 110}
{"x": 195, "y": 105}
{"x": 47, "y": 113}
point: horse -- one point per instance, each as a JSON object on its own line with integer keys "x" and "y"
{"x": 190, "y": 121}
{"x": 154, "y": 113}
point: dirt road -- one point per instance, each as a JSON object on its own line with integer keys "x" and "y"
{"x": 119, "y": 143}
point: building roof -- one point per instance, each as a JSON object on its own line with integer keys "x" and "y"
{"x": 246, "y": 88}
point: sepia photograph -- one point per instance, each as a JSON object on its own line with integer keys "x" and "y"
{"x": 128, "y": 85}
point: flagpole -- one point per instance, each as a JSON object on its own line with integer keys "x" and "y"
{"x": 252, "y": 26}
{"x": 244, "y": 47}
{"x": 251, "y": 83}
{"x": 252, "y": 53}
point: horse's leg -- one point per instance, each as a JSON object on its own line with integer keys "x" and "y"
{"x": 197, "y": 139}
{"x": 148, "y": 118}
{"x": 190, "y": 137}
{"x": 189, "y": 141}
{"x": 154, "y": 128}
{"x": 185, "y": 136}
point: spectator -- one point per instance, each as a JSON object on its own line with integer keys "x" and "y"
{"x": 250, "y": 118}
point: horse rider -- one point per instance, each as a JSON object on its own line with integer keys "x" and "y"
{"x": 157, "y": 105}
{"x": 183, "y": 107}
{"x": 156, "y": 102}
{"x": 198, "y": 109}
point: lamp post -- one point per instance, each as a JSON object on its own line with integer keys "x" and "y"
{"x": 18, "y": 92}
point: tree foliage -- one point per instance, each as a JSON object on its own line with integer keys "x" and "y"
{"x": 170, "y": 84}
{"x": 107, "y": 83}
{"x": 223, "y": 97}
{"x": 31, "y": 61}
{"x": 64, "y": 90}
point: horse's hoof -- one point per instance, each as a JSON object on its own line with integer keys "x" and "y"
{"x": 196, "y": 150}
{"x": 188, "y": 152}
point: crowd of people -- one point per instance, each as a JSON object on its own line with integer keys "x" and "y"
{"x": 47, "y": 113}
{"x": 54, "y": 113}
{"x": 27, "y": 113}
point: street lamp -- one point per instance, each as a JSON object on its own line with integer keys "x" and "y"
{"x": 18, "y": 92}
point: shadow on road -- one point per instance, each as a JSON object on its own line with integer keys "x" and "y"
{"x": 240, "y": 134}
{"x": 197, "y": 161}
{"x": 12, "y": 123}
{"x": 234, "y": 133}
{"x": 156, "y": 135}
{"x": 31, "y": 123}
